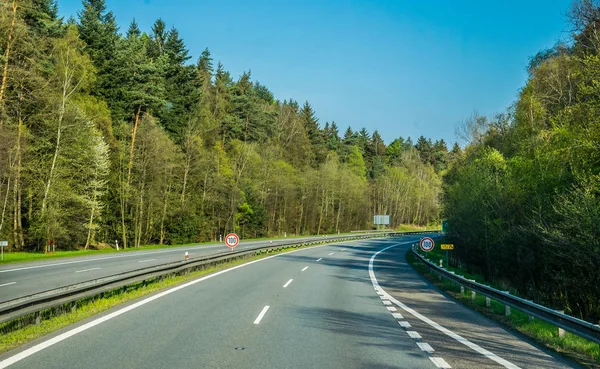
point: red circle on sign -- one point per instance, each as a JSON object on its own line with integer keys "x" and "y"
{"x": 426, "y": 244}
{"x": 232, "y": 240}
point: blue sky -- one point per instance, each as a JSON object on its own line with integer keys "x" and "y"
{"x": 405, "y": 68}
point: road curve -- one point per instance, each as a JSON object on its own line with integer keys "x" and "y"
{"x": 333, "y": 306}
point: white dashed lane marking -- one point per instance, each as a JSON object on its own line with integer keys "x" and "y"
{"x": 288, "y": 283}
{"x": 7, "y": 284}
{"x": 145, "y": 261}
{"x": 319, "y": 259}
{"x": 425, "y": 347}
{"x": 86, "y": 270}
{"x": 304, "y": 268}
{"x": 404, "y": 324}
{"x": 413, "y": 334}
{"x": 331, "y": 253}
{"x": 386, "y": 302}
{"x": 261, "y": 315}
{"x": 397, "y": 315}
{"x": 391, "y": 308}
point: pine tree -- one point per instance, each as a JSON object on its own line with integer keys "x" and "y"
{"x": 159, "y": 37}
{"x": 204, "y": 69}
{"x": 98, "y": 29}
{"x": 133, "y": 31}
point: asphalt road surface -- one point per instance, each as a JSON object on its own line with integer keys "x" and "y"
{"x": 347, "y": 305}
{"x": 24, "y": 279}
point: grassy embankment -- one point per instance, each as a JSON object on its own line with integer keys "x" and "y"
{"x": 584, "y": 351}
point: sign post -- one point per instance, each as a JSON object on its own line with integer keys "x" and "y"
{"x": 426, "y": 244}
{"x": 232, "y": 240}
{"x": 447, "y": 247}
{"x": 3, "y": 244}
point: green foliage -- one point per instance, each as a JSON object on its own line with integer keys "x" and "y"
{"x": 107, "y": 136}
{"x": 522, "y": 200}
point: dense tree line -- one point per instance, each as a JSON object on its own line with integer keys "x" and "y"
{"x": 523, "y": 203}
{"x": 107, "y": 135}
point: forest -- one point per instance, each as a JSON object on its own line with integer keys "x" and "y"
{"x": 523, "y": 202}
{"x": 109, "y": 135}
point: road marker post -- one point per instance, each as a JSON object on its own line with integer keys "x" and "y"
{"x": 3, "y": 244}
{"x": 186, "y": 256}
{"x": 561, "y": 332}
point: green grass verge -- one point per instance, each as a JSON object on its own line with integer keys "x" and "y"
{"x": 574, "y": 347}
{"x": 11, "y": 338}
{"x": 417, "y": 228}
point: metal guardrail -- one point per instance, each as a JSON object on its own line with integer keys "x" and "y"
{"x": 38, "y": 302}
{"x": 574, "y": 325}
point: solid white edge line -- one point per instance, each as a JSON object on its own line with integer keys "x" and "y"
{"x": 440, "y": 363}
{"x": 490, "y": 355}
{"x": 61, "y": 337}
{"x": 287, "y": 283}
{"x": 86, "y": 270}
{"x": 306, "y": 267}
{"x": 262, "y": 314}
{"x": 7, "y": 284}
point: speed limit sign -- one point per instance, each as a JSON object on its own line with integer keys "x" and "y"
{"x": 427, "y": 244}
{"x": 232, "y": 240}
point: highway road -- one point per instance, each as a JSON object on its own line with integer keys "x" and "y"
{"x": 24, "y": 279}
{"x": 346, "y": 305}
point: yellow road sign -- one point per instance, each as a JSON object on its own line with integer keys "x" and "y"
{"x": 447, "y": 246}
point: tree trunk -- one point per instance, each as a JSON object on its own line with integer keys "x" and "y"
{"x": 164, "y": 214}
{"x": 6, "y": 56}
{"x": 89, "y": 236}
{"x": 55, "y": 157}
{"x": 185, "y": 179}
{"x": 5, "y": 202}
{"x": 122, "y": 203}
{"x": 19, "y": 241}
{"x": 135, "y": 127}
{"x": 321, "y": 212}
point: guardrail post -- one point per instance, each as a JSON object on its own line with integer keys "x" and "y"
{"x": 561, "y": 332}
{"x": 473, "y": 295}
{"x": 507, "y": 310}
{"x": 462, "y": 290}
{"x": 488, "y": 301}
{"x": 38, "y": 319}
